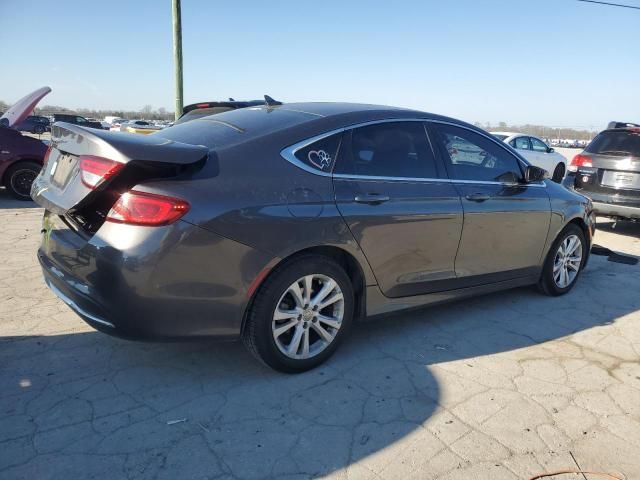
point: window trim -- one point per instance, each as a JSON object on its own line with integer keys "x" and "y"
{"x": 288, "y": 154}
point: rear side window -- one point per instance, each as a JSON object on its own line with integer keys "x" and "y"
{"x": 538, "y": 146}
{"x": 390, "y": 149}
{"x": 617, "y": 143}
{"x": 521, "y": 143}
{"x": 471, "y": 156}
{"x": 321, "y": 155}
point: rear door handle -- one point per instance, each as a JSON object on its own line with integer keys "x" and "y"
{"x": 478, "y": 197}
{"x": 371, "y": 198}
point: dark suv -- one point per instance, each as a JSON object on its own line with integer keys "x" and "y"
{"x": 76, "y": 120}
{"x": 608, "y": 171}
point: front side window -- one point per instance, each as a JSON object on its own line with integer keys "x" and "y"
{"x": 538, "y": 145}
{"x": 80, "y": 120}
{"x": 471, "y": 156}
{"x": 521, "y": 143}
{"x": 389, "y": 149}
{"x": 321, "y": 155}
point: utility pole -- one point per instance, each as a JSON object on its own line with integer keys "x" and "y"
{"x": 177, "y": 55}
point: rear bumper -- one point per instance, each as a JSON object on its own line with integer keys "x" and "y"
{"x": 143, "y": 283}
{"x": 607, "y": 204}
{"x": 613, "y": 210}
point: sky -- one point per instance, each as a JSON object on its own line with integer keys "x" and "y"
{"x": 550, "y": 62}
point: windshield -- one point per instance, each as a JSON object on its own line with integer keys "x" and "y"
{"x": 619, "y": 143}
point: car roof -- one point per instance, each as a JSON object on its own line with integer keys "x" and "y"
{"x": 508, "y": 134}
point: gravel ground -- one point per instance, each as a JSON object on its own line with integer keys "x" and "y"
{"x": 504, "y": 386}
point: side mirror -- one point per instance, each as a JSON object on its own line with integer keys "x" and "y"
{"x": 534, "y": 174}
{"x": 550, "y": 150}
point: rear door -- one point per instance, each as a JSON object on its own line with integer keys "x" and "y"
{"x": 505, "y": 221}
{"x": 615, "y": 171}
{"x": 405, "y": 215}
{"x": 523, "y": 145}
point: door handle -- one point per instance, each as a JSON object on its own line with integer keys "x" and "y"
{"x": 478, "y": 197}
{"x": 371, "y": 198}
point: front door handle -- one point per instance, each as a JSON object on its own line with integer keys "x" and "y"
{"x": 371, "y": 198}
{"x": 478, "y": 197}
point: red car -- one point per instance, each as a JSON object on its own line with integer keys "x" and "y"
{"x": 21, "y": 157}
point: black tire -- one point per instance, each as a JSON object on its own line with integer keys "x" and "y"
{"x": 19, "y": 177}
{"x": 558, "y": 173}
{"x": 258, "y": 336}
{"x": 38, "y": 129}
{"x": 547, "y": 283}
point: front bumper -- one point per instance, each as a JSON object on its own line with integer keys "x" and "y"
{"x": 149, "y": 283}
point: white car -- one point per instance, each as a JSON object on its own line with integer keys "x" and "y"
{"x": 536, "y": 152}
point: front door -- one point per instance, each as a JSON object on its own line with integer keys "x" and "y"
{"x": 404, "y": 215}
{"x": 505, "y": 220}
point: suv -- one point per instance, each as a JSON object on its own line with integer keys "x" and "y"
{"x": 204, "y": 109}
{"x": 76, "y": 120}
{"x": 608, "y": 171}
{"x": 34, "y": 124}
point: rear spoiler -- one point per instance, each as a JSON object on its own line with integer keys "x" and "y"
{"x": 612, "y": 125}
{"x": 123, "y": 147}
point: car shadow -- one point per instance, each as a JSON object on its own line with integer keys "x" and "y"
{"x": 623, "y": 227}
{"x": 8, "y": 202}
{"x": 180, "y": 409}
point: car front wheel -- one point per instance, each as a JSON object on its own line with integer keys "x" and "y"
{"x": 558, "y": 173}
{"x": 564, "y": 262}
{"x": 300, "y": 314}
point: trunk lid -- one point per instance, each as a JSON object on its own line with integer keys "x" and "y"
{"x": 23, "y": 107}
{"x": 60, "y": 188}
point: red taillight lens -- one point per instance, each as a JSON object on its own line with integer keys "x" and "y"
{"x": 580, "y": 161}
{"x": 46, "y": 157}
{"x": 139, "y": 208}
{"x": 95, "y": 170}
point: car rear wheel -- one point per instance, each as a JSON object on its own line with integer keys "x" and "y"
{"x": 19, "y": 178}
{"x": 564, "y": 262}
{"x": 558, "y": 173}
{"x": 300, "y": 314}
{"x": 38, "y": 129}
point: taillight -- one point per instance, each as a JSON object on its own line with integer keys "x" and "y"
{"x": 95, "y": 170}
{"x": 45, "y": 159}
{"x": 140, "y": 208}
{"x": 580, "y": 161}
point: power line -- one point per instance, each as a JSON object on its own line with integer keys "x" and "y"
{"x": 610, "y": 4}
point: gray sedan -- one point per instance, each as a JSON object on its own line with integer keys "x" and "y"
{"x": 283, "y": 225}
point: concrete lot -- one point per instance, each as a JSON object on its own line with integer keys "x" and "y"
{"x": 505, "y": 386}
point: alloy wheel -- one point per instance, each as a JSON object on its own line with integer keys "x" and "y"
{"x": 308, "y": 316}
{"x": 567, "y": 261}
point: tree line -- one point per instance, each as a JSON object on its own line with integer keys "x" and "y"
{"x": 540, "y": 130}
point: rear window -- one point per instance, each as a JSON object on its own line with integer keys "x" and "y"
{"x": 619, "y": 143}
{"x": 201, "y": 112}
{"x": 234, "y": 126}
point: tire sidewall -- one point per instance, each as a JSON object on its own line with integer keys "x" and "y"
{"x": 268, "y": 297}
{"x": 547, "y": 279}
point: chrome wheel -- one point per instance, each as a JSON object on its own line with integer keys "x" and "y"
{"x": 568, "y": 259}
{"x": 308, "y": 316}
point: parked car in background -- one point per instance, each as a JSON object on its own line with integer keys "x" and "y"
{"x": 76, "y": 120}
{"x": 182, "y": 233}
{"x": 608, "y": 171}
{"x": 139, "y": 126}
{"x": 116, "y": 123}
{"x": 204, "y": 109}
{"x": 21, "y": 156}
{"x": 34, "y": 124}
{"x": 537, "y": 152}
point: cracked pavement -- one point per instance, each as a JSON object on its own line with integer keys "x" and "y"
{"x": 504, "y": 386}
